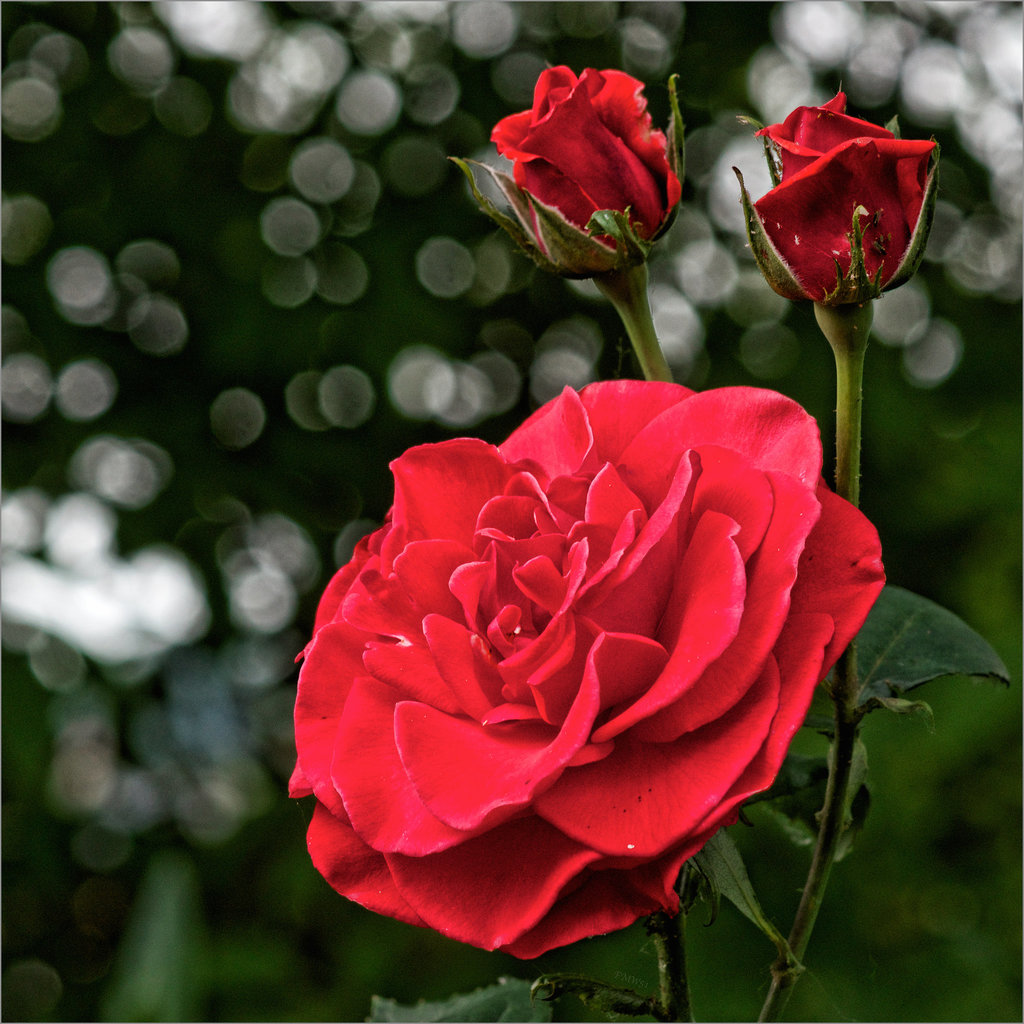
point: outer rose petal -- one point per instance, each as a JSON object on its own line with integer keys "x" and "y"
{"x": 557, "y": 437}
{"x": 619, "y": 409}
{"x": 353, "y": 869}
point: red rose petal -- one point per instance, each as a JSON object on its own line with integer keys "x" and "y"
{"x": 424, "y": 569}
{"x": 557, "y": 437}
{"x": 619, "y": 409}
{"x": 410, "y": 668}
{"x": 381, "y": 803}
{"x": 461, "y": 661}
{"x": 440, "y": 488}
{"x": 492, "y": 889}
{"x": 353, "y": 869}
{"x": 499, "y": 768}
{"x": 645, "y": 797}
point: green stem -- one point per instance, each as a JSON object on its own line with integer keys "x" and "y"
{"x": 627, "y": 292}
{"x": 846, "y": 328}
{"x": 669, "y": 939}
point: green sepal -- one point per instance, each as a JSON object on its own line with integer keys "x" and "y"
{"x": 902, "y": 706}
{"x": 630, "y": 248}
{"x": 519, "y": 236}
{"x": 607, "y": 999}
{"x": 893, "y": 125}
{"x": 510, "y": 999}
{"x": 720, "y": 862}
{"x": 854, "y": 287}
{"x": 919, "y": 239}
{"x": 675, "y": 150}
{"x": 771, "y": 264}
{"x": 908, "y": 641}
{"x": 771, "y": 151}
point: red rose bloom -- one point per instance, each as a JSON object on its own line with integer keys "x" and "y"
{"x": 563, "y": 663}
{"x": 836, "y": 168}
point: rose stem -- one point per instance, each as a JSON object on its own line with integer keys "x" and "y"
{"x": 669, "y": 939}
{"x": 846, "y": 328}
{"x": 627, "y": 292}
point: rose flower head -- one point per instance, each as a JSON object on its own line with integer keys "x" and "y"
{"x": 593, "y": 183}
{"x": 851, "y": 209}
{"x": 563, "y": 663}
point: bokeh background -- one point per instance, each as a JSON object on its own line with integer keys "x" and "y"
{"x": 240, "y": 276}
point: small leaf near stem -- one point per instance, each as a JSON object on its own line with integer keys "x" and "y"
{"x": 627, "y": 292}
{"x": 846, "y": 327}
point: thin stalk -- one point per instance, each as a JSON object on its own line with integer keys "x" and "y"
{"x": 627, "y": 292}
{"x": 846, "y": 328}
{"x": 670, "y": 941}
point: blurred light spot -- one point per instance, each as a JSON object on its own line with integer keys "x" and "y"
{"x": 993, "y": 33}
{"x": 112, "y": 610}
{"x": 986, "y": 257}
{"x": 494, "y": 270}
{"x": 81, "y": 284}
{"x": 342, "y": 276}
{"x": 349, "y": 536}
{"x": 25, "y": 387}
{"x": 84, "y": 768}
{"x": 565, "y": 356}
{"x": 723, "y": 205}
{"x": 752, "y": 303}
{"x": 183, "y": 107}
{"x": 302, "y": 400}
{"x": 237, "y": 417}
{"x": 261, "y": 598}
{"x": 258, "y": 662}
{"x": 289, "y": 282}
{"x": 470, "y": 400}
{"x": 125, "y": 472}
{"x": 265, "y": 163}
{"x": 420, "y": 380}
{"x": 506, "y": 381}
{"x": 822, "y": 31}
{"x": 283, "y": 89}
{"x": 776, "y": 85}
{"x": 707, "y": 272}
{"x": 946, "y": 224}
{"x": 515, "y": 75}
{"x": 30, "y": 107}
{"x": 485, "y": 28}
{"x": 22, "y": 517}
{"x": 26, "y": 227}
{"x": 445, "y": 267}
{"x": 98, "y": 848}
{"x": 155, "y": 263}
{"x": 32, "y": 989}
{"x": 414, "y": 165}
{"x": 142, "y": 58}
{"x": 586, "y": 20}
{"x": 234, "y": 29}
{"x": 321, "y": 170}
{"x": 157, "y": 325}
{"x": 933, "y": 82}
{"x": 679, "y": 327}
{"x": 79, "y": 532}
{"x": 85, "y": 389}
{"x": 347, "y": 398}
{"x": 902, "y": 314}
{"x": 55, "y": 664}
{"x": 769, "y": 351}
{"x": 934, "y": 356}
{"x": 353, "y": 213}
{"x": 368, "y": 103}
{"x": 645, "y": 49}
{"x": 64, "y": 55}
{"x": 289, "y": 226}
{"x": 874, "y": 64}
{"x": 431, "y": 93}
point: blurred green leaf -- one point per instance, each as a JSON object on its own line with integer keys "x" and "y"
{"x": 159, "y": 973}
{"x": 908, "y": 641}
{"x": 509, "y": 1000}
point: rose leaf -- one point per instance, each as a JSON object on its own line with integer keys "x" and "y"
{"x": 508, "y": 1000}
{"x": 907, "y": 641}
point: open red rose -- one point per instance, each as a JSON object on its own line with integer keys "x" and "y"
{"x": 563, "y": 663}
{"x": 850, "y": 216}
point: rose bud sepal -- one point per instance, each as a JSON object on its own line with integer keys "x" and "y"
{"x": 675, "y": 150}
{"x": 543, "y": 234}
{"x": 769, "y": 261}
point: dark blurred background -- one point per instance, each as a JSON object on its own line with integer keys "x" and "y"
{"x": 240, "y": 277}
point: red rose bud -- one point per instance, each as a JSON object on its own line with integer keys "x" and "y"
{"x": 562, "y": 664}
{"x": 850, "y": 212}
{"x": 593, "y": 184}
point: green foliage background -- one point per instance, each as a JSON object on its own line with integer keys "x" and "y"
{"x": 229, "y": 921}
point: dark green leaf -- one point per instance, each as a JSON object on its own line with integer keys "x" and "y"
{"x": 908, "y": 641}
{"x": 508, "y": 1000}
